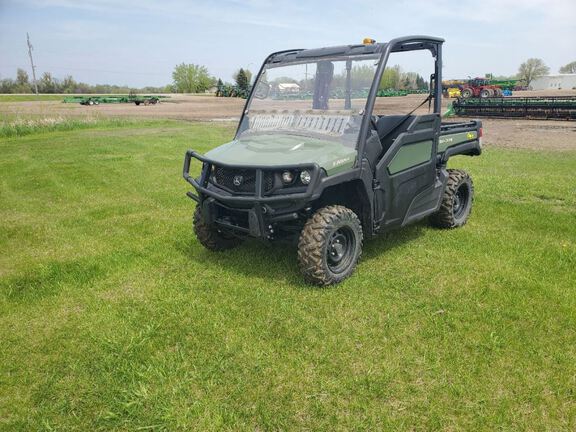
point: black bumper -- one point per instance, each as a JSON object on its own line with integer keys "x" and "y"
{"x": 248, "y": 213}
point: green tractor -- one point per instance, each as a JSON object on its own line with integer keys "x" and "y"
{"x": 324, "y": 171}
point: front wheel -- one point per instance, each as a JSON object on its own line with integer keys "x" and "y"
{"x": 210, "y": 237}
{"x": 467, "y": 93}
{"x": 330, "y": 245}
{"x": 457, "y": 201}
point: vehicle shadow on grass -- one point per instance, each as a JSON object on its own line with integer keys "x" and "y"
{"x": 384, "y": 242}
{"x": 277, "y": 262}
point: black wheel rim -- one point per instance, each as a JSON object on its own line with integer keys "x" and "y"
{"x": 340, "y": 249}
{"x": 461, "y": 198}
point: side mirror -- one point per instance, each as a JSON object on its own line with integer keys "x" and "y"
{"x": 262, "y": 90}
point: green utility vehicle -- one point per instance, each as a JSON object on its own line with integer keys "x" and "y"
{"x": 322, "y": 170}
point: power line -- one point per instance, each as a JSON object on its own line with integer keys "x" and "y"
{"x": 30, "y": 48}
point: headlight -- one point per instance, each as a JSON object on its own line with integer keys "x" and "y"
{"x": 287, "y": 177}
{"x": 305, "y": 177}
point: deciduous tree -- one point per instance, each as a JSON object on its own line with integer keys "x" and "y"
{"x": 191, "y": 78}
{"x": 531, "y": 69}
{"x": 570, "y": 68}
{"x": 47, "y": 83}
{"x": 22, "y": 82}
{"x": 390, "y": 78}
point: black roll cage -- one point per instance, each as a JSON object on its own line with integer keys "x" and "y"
{"x": 401, "y": 44}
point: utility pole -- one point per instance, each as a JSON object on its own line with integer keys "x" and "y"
{"x": 30, "y": 48}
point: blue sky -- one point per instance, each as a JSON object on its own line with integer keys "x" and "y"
{"x": 138, "y": 42}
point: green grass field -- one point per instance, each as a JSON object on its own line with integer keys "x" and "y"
{"x": 114, "y": 318}
{"x": 30, "y": 97}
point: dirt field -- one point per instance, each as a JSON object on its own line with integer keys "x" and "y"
{"x": 537, "y": 134}
{"x": 181, "y": 107}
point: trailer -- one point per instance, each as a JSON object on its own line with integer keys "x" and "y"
{"x": 112, "y": 99}
{"x": 553, "y": 107}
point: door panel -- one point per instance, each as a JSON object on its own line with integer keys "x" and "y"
{"x": 410, "y": 155}
{"x": 406, "y": 174}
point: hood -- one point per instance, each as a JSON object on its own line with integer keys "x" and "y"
{"x": 280, "y": 149}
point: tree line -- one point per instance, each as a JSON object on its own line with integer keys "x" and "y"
{"x": 193, "y": 78}
{"x": 186, "y": 78}
{"x": 393, "y": 78}
{"x": 49, "y": 84}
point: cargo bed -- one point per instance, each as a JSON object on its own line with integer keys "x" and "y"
{"x": 460, "y": 138}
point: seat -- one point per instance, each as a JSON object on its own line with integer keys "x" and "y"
{"x": 389, "y": 127}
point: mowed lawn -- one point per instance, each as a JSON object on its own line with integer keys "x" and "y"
{"x": 113, "y": 317}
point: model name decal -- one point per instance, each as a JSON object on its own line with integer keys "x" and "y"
{"x": 338, "y": 162}
{"x": 451, "y": 139}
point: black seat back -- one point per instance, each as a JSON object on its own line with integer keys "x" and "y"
{"x": 389, "y": 127}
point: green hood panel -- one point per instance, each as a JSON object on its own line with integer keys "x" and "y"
{"x": 279, "y": 150}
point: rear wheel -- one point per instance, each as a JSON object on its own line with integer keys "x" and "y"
{"x": 486, "y": 93}
{"x": 457, "y": 201}
{"x": 330, "y": 245}
{"x": 210, "y": 236}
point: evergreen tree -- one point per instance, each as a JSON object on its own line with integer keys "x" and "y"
{"x": 242, "y": 80}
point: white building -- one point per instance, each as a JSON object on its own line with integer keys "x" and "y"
{"x": 288, "y": 87}
{"x": 554, "y": 82}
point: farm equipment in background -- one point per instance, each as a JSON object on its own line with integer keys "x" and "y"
{"x": 391, "y": 93}
{"x": 555, "y": 107}
{"x": 404, "y": 92}
{"x": 452, "y": 88}
{"x": 480, "y": 87}
{"x": 509, "y": 84}
{"x": 454, "y": 92}
{"x": 115, "y": 99}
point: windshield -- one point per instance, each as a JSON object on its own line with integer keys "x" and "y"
{"x": 322, "y": 99}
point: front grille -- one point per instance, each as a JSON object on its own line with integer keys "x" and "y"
{"x": 268, "y": 180}
{"x": 245, "y": 179}
{"x": 241, "y": 180}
